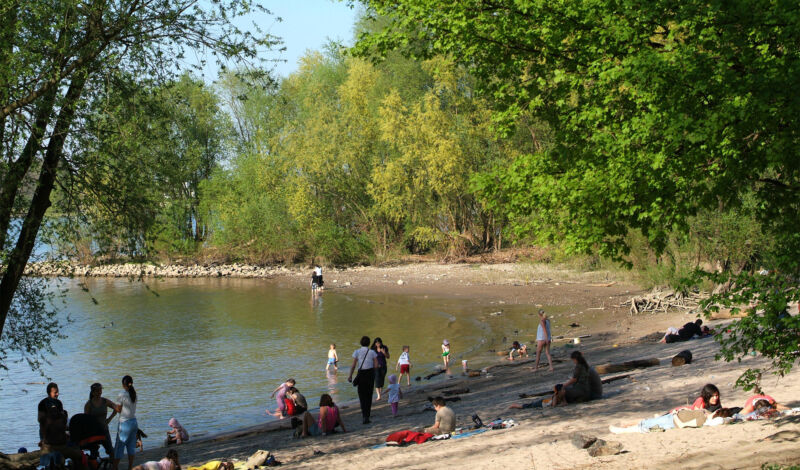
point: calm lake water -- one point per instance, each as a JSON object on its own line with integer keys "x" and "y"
{"x": 210, "y": 351}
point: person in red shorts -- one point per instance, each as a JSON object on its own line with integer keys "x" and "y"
{"x": 404, "y": 364}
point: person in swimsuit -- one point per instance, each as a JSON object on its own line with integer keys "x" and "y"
{"x": 333, "y": 358}
{"x": 280, "y": 395}
{"x": 446, "y": 353}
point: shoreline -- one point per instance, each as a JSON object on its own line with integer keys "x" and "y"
{"x": 543, "y": 435}
{"x": 542, "y": 439}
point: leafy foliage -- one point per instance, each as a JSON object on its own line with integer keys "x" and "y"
{"x": 658, "y": 112}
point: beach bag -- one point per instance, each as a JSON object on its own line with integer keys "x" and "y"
{"x": 357, "y": 379}
{"x": 689, "y": 418}
{"x": 256, "y": 460}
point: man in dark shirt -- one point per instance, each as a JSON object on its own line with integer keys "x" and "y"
{"x": 51, "y": 401}
{"x": 686, "y": 333}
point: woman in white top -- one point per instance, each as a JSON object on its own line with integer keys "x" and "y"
{"x": 365, "y": 362}
{"x": 128, "y": 427}
{"x": 543, "y": 339}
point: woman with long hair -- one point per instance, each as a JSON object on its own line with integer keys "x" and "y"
{"x": 382, "y": 351}
{"x": 126, "y": 433}
{"x": 97, "y": 406}
{"x": 329, "y": 419}
{"x": 577, "y": 389}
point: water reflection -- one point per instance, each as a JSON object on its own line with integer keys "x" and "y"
{"x": 209, "y": 351}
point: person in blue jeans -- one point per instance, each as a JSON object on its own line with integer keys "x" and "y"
{"x": 126, "y": 433}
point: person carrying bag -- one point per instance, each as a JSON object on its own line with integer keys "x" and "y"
{"x": 365, "y": 376}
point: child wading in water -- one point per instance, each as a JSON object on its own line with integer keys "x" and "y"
{"x": 446, "y": 353}
{"x": 333, "y": 358}
{"x": 395, "y": 394}
{"x": 404, "y": 363}
{"x": 280, "y": 397}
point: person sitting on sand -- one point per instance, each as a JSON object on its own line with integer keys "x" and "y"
{"x": 280, "y": 395}
{"x": 177, "y": 434}
{"x": 689, "y": 331}
{"x": 518, "y": 348}
{"x": 170, "y": 462}
{"x": 577, "y": 389}
{"x": 709, "y": 399}
{"x": 329, "y": 418}
{"x": 543, "y": 339}
{"x": 445, "y": 422}
{"x": 676, "y": 418}
{"x": 298, "y": 401}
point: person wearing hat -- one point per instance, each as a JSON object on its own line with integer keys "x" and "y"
{"x": 446, "y": 353}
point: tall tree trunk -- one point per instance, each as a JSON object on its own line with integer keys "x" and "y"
{"x": 17, "y": 170}
{"x": 41, "y": 198}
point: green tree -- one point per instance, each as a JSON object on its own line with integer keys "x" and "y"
{"x": 657, "y": 111}
{"x": 54, "y": 57}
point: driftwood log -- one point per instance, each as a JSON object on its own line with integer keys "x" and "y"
{"x": 626, "y": 366}
{"x": 663, "y": 301}
{"x": 542, "y": 393}
{"x": 683, "y": 357}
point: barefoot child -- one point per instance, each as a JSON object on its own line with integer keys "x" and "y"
{"x": 333, "y": 358}
{"x": 446, "y": 353}
{"x": 404, "y": 363}
{"x": 395, "y": 394}
{"x": 280, "y": 397}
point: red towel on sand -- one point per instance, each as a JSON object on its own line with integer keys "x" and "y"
{"x": 407, "y": 437}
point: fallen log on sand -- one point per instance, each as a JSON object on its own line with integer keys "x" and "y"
{"x": 626, "y": 366}
{"x": 683, "y": 357}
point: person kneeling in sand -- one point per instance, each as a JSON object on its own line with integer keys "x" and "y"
{"x": 329, "y": 418}
{"x": 518, "y": 348}
{"x": 445, "y": 418}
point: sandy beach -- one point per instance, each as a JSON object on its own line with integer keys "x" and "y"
{"x": 542, "y": 437}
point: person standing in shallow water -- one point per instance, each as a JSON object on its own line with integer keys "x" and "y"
{"x": 365, "y": 362}
{"x": 382, "y": 352}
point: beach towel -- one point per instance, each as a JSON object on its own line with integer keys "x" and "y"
{"x": 408, "y": 437}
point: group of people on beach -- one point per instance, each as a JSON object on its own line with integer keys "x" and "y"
{"x": 61, "y": 437}
{"x": 544, "y": 338}
{"x": 706, "y": 410}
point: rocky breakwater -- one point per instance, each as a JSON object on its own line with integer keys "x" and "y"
{"x": 63, "y": 269}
